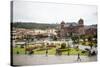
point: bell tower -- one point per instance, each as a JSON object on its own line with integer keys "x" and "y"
{"x": 81, "y": 26}
{"x": 81, "y": 22}
{"x": 62, "y": 24}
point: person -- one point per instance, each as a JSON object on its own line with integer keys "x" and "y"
{"x": 46, "y": 51}
{"x": 56, "y": 51}
{"x": 78, "y": 58}
{"x": 31, "y": 52}
{"x": 17, "y": 52}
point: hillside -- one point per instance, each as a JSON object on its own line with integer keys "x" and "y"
{"x": 30, "y": 25}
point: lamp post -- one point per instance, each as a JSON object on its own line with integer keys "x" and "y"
{"x": 24, "y": 39}
{"x": 78, "y": 47}
{"x": 26, "y": 42}
{"x": 68, "y": 47}
{"x": 78, "y": 39}
{"x": 25, "y": 47}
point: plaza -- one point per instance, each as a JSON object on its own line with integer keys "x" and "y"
{"x": 50, "y": 59}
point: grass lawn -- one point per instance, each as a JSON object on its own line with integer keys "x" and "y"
{"x": 87, "y": 43}
{"x": 20, "y": 50}
{"x": 73, "y": 51}
{"x": 51, "y": 51}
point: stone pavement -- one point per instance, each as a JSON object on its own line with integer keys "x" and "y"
{"x": 50, "y": 59}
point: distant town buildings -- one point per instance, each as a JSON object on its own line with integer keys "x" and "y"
{"x": 19, "y": 33}
{"x": 64, "y": 30}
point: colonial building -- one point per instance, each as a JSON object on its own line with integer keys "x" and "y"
{"x": 71, "y": 28}
{"x": 91, "y": 30}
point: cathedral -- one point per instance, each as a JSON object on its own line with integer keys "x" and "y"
{"x": 71, "y": 28}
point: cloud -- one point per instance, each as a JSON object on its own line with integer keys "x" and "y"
{"x": 53, "y": 13}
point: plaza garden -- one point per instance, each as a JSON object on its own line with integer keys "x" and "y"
{"x": 64, "y": 48}
{"x": 51, "y": 51}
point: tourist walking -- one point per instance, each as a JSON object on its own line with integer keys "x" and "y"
{"x": 47, "y": 52}
{"x": 78, "y": 58}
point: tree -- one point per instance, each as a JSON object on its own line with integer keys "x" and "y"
{"x": 83, "y": 37}
{"x": 63, "y": 45}
{"x": 68, "y": 49}
{"x": 91, "y": 45}
{"x": 90, "y": 39}
{"x": 75, "y": 39}
{"x": 95, "y": 38}
{"x": 55, "y": 38}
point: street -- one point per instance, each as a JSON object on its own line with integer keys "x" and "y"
{"x": 50, "y": 59}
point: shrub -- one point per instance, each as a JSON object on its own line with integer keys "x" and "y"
{"x": 83, "y": 43}
{"x": 83, "y": 51}
{"x": 63, "y": 45}
{"x": 22, "y": 46}
{"x": 51, "y": 46}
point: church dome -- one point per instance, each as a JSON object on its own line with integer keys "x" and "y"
{"x": 62, "y": 22}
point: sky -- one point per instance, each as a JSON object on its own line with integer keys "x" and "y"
{"x": 39, "y": 12}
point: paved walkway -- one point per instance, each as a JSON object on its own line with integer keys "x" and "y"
{"x": 51, "y": 59}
